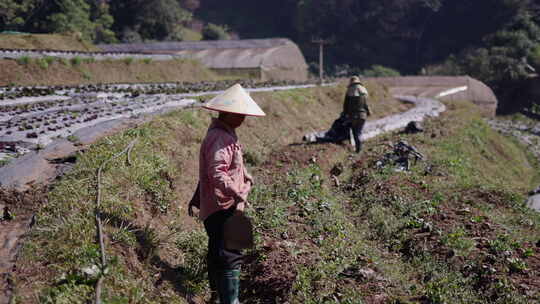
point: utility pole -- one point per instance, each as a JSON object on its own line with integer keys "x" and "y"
{"x": 321, "y": 43}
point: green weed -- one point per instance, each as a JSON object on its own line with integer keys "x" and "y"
{"x": 516, "y": 265}
{"x": 190, "y": 117}
{"x": 24, "y": 60}
{"x": 458, "y": 241}
{"x": 193, "y": 271}
{"x": 448, "y": 287}
{"x": 252, "y": 158}
{"x": 86, "y": 74}
{"x": 529, "y": 252}
{"x": 42, "y": 63}
{"x": 4, "y": 161}
{"x": 64, "y": 61}
{"x": 500, "y": 245}
{"x": 50, "y": 60}
{"x": 76, "y": 61}
{"x": 74, "y": 139}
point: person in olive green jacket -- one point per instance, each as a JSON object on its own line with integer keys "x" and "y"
{"x": 356, "y": 109}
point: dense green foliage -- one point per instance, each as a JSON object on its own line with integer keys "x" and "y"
{"x": 90, "y": 19}
{"x": 97, "y": 20}
{"x": 149, "y": 20}
{"x": 373, "y": 32}
{"x": 214, "y": 32}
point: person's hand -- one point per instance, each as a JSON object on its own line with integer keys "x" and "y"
{"x": 240, "y": 207}
{"x": 190, "y": 210}
{"x": 195, "y": 200}
{"x": 248, "y": 178}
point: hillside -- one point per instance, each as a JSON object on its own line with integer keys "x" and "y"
{"x": 452, "y": 230}
{"x": 495, "y": 41}
{"x": 28, "y": 71}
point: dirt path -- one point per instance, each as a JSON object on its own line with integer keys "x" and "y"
{"x": 11, "y": 234}
{"x": 16, "y": 218}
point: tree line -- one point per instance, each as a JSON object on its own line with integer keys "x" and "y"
{"x": 497, "y": 41}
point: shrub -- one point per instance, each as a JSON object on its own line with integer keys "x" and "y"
{"x": 450, "y": 66}
{"x": 215, "y": 32}
{"x": 458, "y": 241}
{"x": 4, "y": 162}
{"x": 76, "y": 61}
{"x": 147, "y": 60}
{"x": 535, "y": 57}
{"x": 49, "y": 59}
{"x": 128, "y": 60}
{"x": 42, "y": 63}
{"x": 86, "y": 74}
{"x": 64, "y": 61}
{"x": 380, "y": 71}
{"x": 130, "y": 36}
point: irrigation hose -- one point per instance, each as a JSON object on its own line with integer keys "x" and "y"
{"x": 98, "y": 217}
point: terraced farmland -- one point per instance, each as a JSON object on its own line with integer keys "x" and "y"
{"x": 32, "y": 117}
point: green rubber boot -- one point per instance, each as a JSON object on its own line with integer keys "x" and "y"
{"x": 229, "y": 286}
{"x": 213, "y": 278}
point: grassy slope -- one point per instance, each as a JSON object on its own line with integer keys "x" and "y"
{"x": 378, "y": 235}
{"x": 50, "y": 71}
{"x": 45, "y": 41}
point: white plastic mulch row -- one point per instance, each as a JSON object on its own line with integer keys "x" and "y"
{"x": 16, "y": 54}
{"x": 424, "y": 107}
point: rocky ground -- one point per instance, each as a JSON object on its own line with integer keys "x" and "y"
{"x": 15, "y": 220}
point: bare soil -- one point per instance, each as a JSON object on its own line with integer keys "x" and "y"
{"x": 16, "y": 218}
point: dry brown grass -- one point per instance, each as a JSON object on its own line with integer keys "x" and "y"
{"x": 117, "y": 71}
{"x": 46, "y": 41}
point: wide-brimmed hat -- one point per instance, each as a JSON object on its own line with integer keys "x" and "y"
{"x": 355, "y": 79}
{"x": 235, "y": 100}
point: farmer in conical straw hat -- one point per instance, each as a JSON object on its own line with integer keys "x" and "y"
{"x": 223, "y": 188}
{"x": 356, "y": 109}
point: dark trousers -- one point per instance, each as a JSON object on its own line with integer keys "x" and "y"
{"x": 356, "y": 127}
{"x": 219, "y": 258}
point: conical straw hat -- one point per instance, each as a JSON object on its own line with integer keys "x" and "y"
{"x": 235, "y": 100}
{"x": 355, "y": 79}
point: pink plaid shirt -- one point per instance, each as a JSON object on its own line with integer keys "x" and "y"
{"x": 223, "y": 178}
